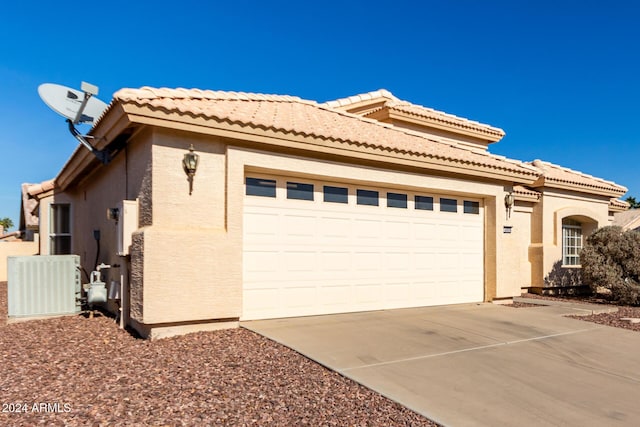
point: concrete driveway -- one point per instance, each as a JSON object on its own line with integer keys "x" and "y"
{"x": 479, "y": 365}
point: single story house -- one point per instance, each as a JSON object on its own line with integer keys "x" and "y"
{"x": 304, "y": 208}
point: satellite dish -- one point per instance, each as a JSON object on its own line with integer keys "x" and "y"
{"x": 75, "y": 105}
{"x": 78, "y": 107}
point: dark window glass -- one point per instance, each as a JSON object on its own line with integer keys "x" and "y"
{"x": 448, "y": 205}
{"x": 60, "y": 231}
{"x": 60, "y": 219}
{"x": 336, "y": 194}
{"x": 424, "y": 203}
{"x": 471, "y": 207}
{"x": 397, "y": 200}
{"x": 60, "y": 245}
{"x": 260, "y": 187}
{"x": 299, "y": 191}
{"x": 367, "y": 197}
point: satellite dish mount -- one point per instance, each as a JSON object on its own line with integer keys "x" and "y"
{"x": 78, "y": 108}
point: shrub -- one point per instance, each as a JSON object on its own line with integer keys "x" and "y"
{"x": 611, "y": 264}
{"x": 564, "y": 281}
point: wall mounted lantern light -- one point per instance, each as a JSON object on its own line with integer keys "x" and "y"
{"x": 508, "y": 203}
{"x": 190, "y": 165}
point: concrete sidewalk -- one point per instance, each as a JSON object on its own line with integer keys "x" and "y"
{"x": 482, "y": 364}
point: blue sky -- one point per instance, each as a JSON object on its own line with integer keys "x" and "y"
{"x": 562, "y": 78}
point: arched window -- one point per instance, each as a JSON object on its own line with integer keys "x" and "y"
{"x": 571, "y": 242}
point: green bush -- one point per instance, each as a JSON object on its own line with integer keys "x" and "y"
{"x": 611, "y": 264}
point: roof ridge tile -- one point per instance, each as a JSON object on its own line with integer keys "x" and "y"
{"x": 147, "y": 92}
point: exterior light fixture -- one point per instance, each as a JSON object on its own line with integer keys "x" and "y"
{"x": 112, "y": 213}
{"x": 190, "y": 165}
{"x": 508, "y": 203}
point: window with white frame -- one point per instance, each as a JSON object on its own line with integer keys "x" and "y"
{"x": 571, "y": 242}
{"x": 60, "y": 229}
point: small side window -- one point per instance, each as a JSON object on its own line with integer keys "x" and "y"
{"x": 60, "y": 229}
{"x": 367, "y": 197}
{"x": 396, "y": 200}
{"x": 470, "y": 207}
{"x": 424, "y": 203}
{"x": 448, "y": 205}
{"x": 299, "y": 191}
{"x": 260, "y": 187}
{"x": 336, "y": 194}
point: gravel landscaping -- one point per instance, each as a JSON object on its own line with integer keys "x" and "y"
{"x": 615, "y": 319}
{"x": 76, "y": 371}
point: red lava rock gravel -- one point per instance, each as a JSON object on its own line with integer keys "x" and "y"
{"x": 608, "y": 319}
{"x": 75, "y": 371}
{"x": 615, "y": 319}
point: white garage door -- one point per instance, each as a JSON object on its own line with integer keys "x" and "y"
{"x": 314, "y": 247}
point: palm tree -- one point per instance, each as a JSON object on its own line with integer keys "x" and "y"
{"x": 633, "y": 204}
{"x": 6, "y": 223}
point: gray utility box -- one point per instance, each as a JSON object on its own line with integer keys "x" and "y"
{"x": 43, "y": 285}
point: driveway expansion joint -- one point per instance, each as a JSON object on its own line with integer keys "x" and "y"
{"x": 464, "y": 350}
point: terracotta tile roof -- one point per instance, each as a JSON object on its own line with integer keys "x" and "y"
{"x": 376, "y": 94}
{"x": 31, "y": 195}
{"x": 36, "y": 189}
{"x": 554, "y": 175}
{"x": 525, "y": 194}
{"x": 397, "y": 104}
{"x": 618, "y": 205}
{"x": 294, "y": 116}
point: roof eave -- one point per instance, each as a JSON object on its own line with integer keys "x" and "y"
{"x": 573, "y": 186}
{"x": 389, "y": 114}
{"x": 147, "y": 116}
{"x": 112, "y": 124}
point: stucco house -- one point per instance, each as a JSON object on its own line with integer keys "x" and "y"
{"x": 304, "y": 208}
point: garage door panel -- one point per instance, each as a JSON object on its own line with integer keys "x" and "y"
{"x": 337, "y": 296}
{"x": 396, "y": 230}
{"x": 397, "y": 262}
{"x": 335, "y": 229}
{"x": 298, "y": 261}
{"x": 367, "y": 229}
{"x": 335, "y": 261}
{"x": 397, "y": 292}
{"x": 259, "y": 262}
{"x": 312, "y": 257}
{"x": 447, "y": 262}
{"x": 369, "y": 292}
{"x": 425, "y": 261}
{"x": 259, "y": 225}
{"x": 366, "y": 261}
{"x": 424, "y": 231}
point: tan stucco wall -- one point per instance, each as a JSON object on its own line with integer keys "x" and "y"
{"x": 191, "y": 268}
{"x": 105, "y": 187}
{"x": 186, "y": 260}
{"x": 516, "y": 257}
{"x": 554, "y": 205}
{"x": 8, "y": 249}
{"x": 186, "y": 257}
